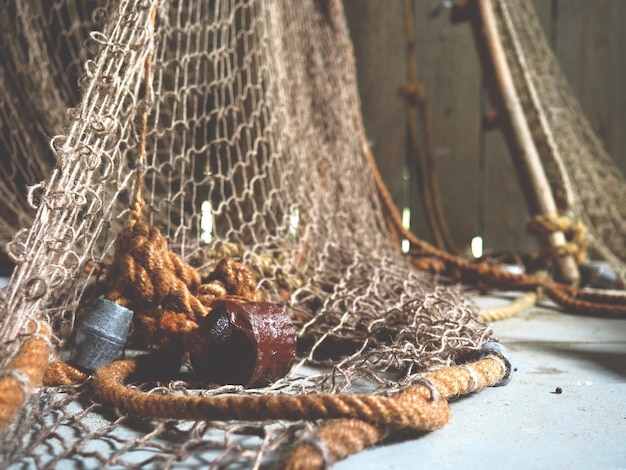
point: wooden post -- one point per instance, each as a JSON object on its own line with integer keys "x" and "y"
{"x": 526, "y": 160}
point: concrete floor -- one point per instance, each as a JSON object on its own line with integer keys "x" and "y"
{"x": 527, "y": 425}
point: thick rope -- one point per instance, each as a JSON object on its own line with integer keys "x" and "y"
{"x": 410, "y": 409}
{"x": 338, "y": 439}
{"x": 356, "y": 421}
{"x": 517, "y": 306}
{"x": 60, "y": 372}
{"x": 26, "y": 372}
{"x": 167, "y": 294}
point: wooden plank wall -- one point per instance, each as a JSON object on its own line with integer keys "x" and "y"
{"x": 480, "y": 192}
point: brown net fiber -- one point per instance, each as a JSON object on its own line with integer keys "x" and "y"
{"x": 587, "y": 184}
{"x": 193, "y": 132}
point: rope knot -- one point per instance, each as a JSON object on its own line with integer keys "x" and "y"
{"x": 575, "y": 233}
{"x": 168, "y": 295}
{"x": 414, "y": 93}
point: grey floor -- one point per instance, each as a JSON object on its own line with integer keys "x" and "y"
{"x": 527, "y": 425}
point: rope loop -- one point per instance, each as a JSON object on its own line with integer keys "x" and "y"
{"x": 575, "y": 232}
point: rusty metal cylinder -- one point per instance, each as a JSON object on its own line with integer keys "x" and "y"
{"x": 244, "y": 343}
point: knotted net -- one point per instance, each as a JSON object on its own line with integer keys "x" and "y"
{"x": 587, "y": 184}
{"x": 241, "y": 120}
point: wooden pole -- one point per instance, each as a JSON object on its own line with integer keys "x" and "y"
{"x": 526, "y": 159}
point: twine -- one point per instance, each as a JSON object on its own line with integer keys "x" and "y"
{"x": 414, "y": 93}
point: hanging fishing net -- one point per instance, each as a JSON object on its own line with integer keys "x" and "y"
{"x": 587, "y": 184}
{"x": 179, "y": 153}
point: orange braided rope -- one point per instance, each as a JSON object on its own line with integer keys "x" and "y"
{"x": 409, "y": 409}
{"x": 364, "y": 419}
{"x": 337, "y": 440}
{"x": 356, "y": 421}
{"x": 28, "y": 369}
{"x": 61, "y": 373}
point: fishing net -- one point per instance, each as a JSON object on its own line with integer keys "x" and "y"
{"x": 187, "y": 158}
{"x": 231, "y": 129}
{"x": 587, "y": 184}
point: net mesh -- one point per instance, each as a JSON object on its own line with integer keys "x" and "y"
{"x": 252, "y": 148}
{"x": 587, "y": 184}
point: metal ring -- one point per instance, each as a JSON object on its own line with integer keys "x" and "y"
{"x": 499, "y": 352}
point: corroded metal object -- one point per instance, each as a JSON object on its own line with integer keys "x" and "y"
{"x": 599, "y": 275}
{"x": 247, "y": 343}
{"x": 495, "y": 348}
{"x": 101, "y": 336}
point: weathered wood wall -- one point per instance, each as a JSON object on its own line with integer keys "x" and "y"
{"x": 480, "y": 192}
